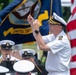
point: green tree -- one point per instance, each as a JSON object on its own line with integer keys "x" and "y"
{"x": 66, "y": 13}
{"x": 4, "y": 3}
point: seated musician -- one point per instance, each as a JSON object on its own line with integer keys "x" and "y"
{"x": 29, "y": 54}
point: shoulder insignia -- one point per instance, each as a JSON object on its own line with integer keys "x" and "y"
{"x": 60, "y": 37}
{"x": 7, "y": 44}
{"x": 25, "y": 52}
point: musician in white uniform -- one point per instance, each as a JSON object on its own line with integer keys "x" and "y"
{"x": 23, "y": 67}
{"x": 29, "y": 54}
{"x": 6, "y": 58}
{"x": 56, "y": 43}
{"x": 7, "y": 47}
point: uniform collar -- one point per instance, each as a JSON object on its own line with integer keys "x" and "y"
{"x": 62, "y": 33}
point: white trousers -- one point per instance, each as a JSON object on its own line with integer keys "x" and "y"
{"x": 59, "y": 73}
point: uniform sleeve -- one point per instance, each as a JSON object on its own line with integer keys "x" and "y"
{"x": 56, "y": 46}
{"x": 47, "y": 38}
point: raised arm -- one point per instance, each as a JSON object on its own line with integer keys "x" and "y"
{"x": 35, "y": 28}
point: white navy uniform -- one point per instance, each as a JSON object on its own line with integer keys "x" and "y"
{"x": 58, "y": 57}
{"x": 12, "y": 58}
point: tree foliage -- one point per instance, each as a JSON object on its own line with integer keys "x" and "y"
{"x": 4, "y": 3}
{"x": 66, "y": 13}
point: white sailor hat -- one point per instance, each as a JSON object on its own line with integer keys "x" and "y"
{"x": 6, "y": 44}
{"x": 23, "y": 66}
{"x": 57, "y": 20}
{"x": 27, "y": 52}
{"x": 3, "y": 69}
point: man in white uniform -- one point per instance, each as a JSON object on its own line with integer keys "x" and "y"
{"x": 56, "y": 43}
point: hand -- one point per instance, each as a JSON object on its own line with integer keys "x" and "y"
{"x": 30, "y": 20}
{"x": 34, "y": 23}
